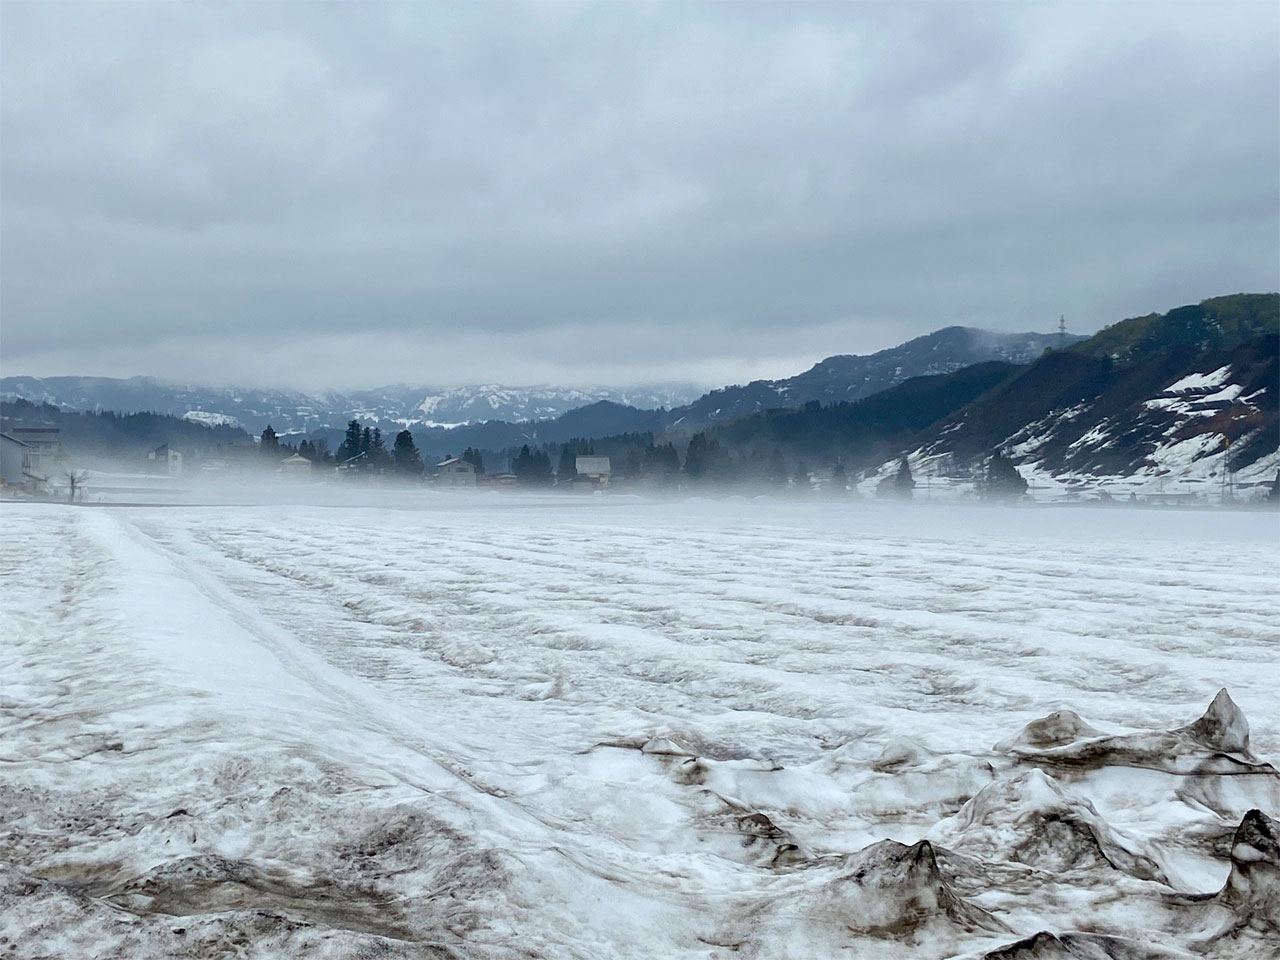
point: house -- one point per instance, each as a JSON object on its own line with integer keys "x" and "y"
{"x": 164, "y": 460}
{"x": 15, "y": 463}
{"x": 354, "y": 468}
{"x": 45, "y": 454}
{"x": 593, "y": 469}
{"x": 14, "y": 460}
{"x": 455, "y": 472}
{"x": 295, "y": 466}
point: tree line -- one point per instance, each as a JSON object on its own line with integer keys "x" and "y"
{"x": 362, "y": 450}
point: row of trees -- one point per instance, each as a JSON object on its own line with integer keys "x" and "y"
{"x": 999, "y": 480}
{"x": 636, "y": 457}
{"x": 361, "y": 449}
{"x": 532, "y": 467}
{"x": 706, "y": 460}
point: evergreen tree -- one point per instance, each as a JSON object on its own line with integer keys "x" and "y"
{"x": 473, "y": 457}
{"x": 776, "y": 469}
{"x": 366, "y": 440}
{"x": 661, "y": 465}
{"x": 705, "y": 459}
{"x": 633, "y": 464}
{"x": 378, "y": 456}
{"x": 903, "y": 482}
{"x": 269, "y": 446}
{"x": 567, "y": 468}
{"x": 839, "y": 477}
{"x": 407, "y": 459}
{"x": 1001, "y": 481}
{"x": 532, "y": 468}
{"x": 350, "y": 446}
{"x": 521, "y": 465}
{"x": 542, "y": 468}
{"x": 699, "y": 457}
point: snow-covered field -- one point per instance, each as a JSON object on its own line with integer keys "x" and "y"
{"x": 479, "y": 726}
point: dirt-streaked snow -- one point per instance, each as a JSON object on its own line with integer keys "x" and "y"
{"x": 504, "y": 726}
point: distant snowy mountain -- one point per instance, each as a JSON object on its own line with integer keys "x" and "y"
{"x": 290, "y": 411}
{"x": 836, "y": 378}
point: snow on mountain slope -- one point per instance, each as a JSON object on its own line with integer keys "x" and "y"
{"x": 1175, "y": 423}
{"x": 458, "y": 727}
{"x": 1182, "y": 438}
{"x": 293, "y": 412}
{"x": 837, "y": 378}
{"x": 211, "y": 419}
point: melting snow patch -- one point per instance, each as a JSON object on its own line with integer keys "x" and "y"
{"x": 1200, "y": 381}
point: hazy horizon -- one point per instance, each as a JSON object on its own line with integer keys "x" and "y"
{"x": 773, "y": 368}
{"x": 317, "y": 387}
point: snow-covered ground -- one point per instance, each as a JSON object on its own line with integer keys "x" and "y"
{"x": 480, "y": 726}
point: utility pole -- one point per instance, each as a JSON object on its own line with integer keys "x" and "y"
{"x": 1228, "y": 490}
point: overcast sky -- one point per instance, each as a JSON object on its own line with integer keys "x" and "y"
{"x": 349, "y": 194}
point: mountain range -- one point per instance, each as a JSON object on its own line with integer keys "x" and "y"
{"x": 1192, "y": 396}
{"x": 848, "y": 378}
{"x": 292, "y": 411}
{"x": 496, "y": 417}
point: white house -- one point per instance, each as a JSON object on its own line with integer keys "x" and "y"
{"x": 295, "y": 466}
{"x": 165, "y": 460}
{"x": 15, "y": 461}
{"x": 456, "y": 472}
{"x": 593, "y": 468}
{"x": 45, "y": 456}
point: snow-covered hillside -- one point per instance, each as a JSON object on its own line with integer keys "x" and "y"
{"x": 1208, "y": 433}
{"x": 475, "y": 726}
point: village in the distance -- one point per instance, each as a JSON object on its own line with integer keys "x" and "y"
{"x": 1165, "y": 409}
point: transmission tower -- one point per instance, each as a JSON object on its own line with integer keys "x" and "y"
{"x": 1062, "y": 331}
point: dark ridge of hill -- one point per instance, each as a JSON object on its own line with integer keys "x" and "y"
{"x": 1217, "y": 323}
{"x": 604, "y": 418}
{"x": 1171, "y": 407}
{"x": 849, "y": 378}
{"x": 110, "y": 434}
{"x": 858, "y": 432}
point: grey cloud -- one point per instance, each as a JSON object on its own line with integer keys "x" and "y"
{"x": 550, "y": 191}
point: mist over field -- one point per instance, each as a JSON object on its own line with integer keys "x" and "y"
{"x": 487, "y": 725}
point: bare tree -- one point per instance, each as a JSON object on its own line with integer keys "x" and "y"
{"x": 75, "y": 481}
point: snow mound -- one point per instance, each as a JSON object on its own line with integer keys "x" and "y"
{"x": 1243, "y": 918}
{"x": 1253, "y": 887}
{"x": 1222, "y": 727}
{"x": 891, "y": 895}
{"x": 1217, "y": 743}
{"x": 1055, "y": 730}
{"x": 1031, "y": 819}
{"x": 891, "y": 888}
{"x": 910, "y": 781}
{"x": 1078, "y": 946}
